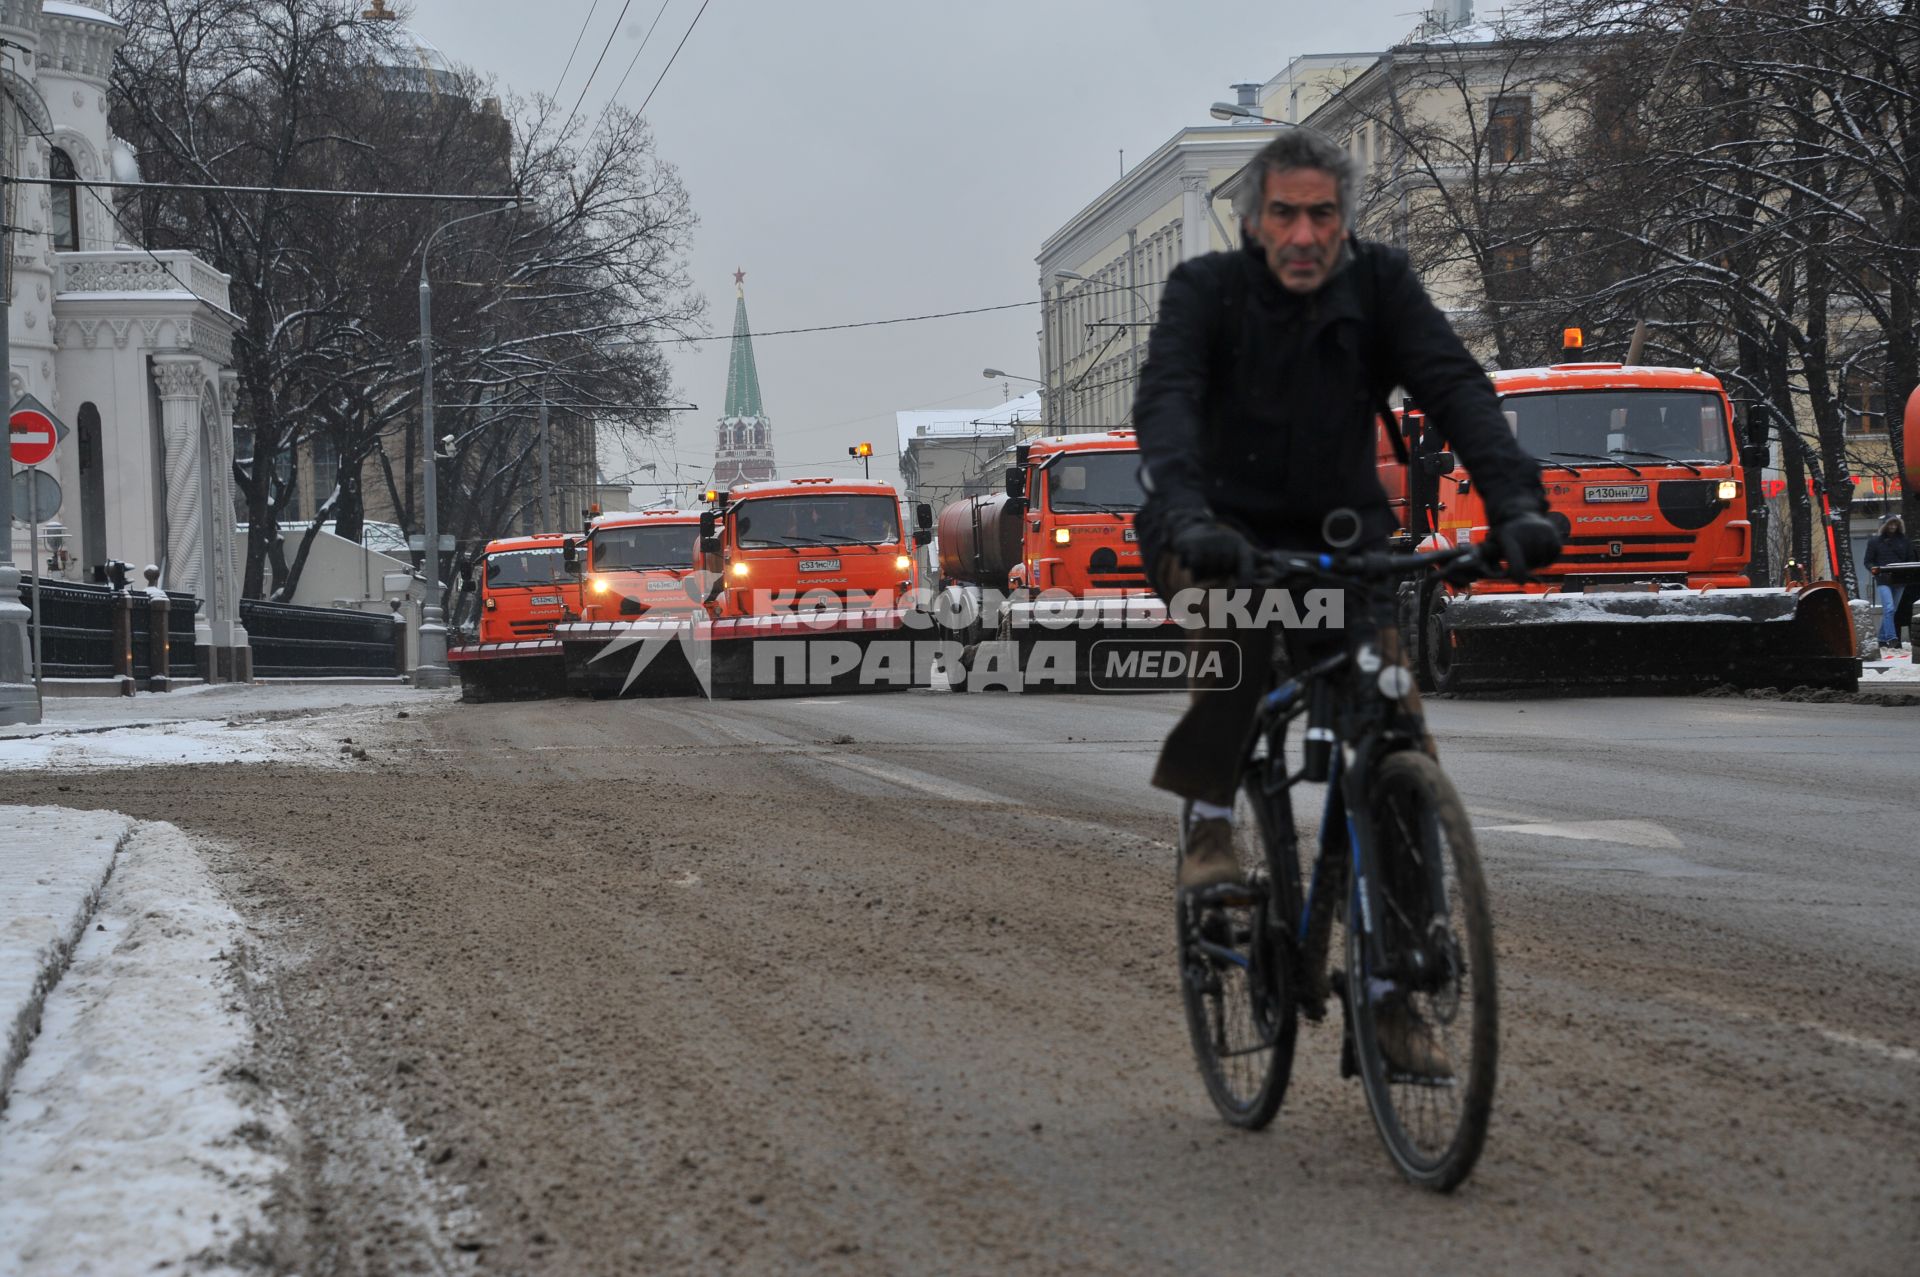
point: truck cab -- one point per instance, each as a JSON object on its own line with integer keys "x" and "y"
{"x": 1077, "y": 496}
{"x": 525, "y": 587}
{"x": 638, "y": 564}
{"x": 808, "y": 538}
{"x": 1639, "y": 466}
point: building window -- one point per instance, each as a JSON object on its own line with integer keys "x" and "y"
{"x": 1510, "y": 264}
{"x": 1510, "y": 130}
{"x": 66, "y": 201}
{"x": 1866, "y": 410}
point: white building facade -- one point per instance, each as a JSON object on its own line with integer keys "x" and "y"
{"x": 131, "y": 349}
{"x": 1101, "y": 273}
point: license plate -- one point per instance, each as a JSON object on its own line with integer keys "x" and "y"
{"x": 659, "y": 583}
{"x": 1130, "y": 535}
{"x": 545, "y": 600}
{"x": 819, "y": 565}
{"x": 1617, "y": 492}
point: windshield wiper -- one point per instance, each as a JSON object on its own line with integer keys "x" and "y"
{"x": 794, "y": 543}
{"x": 1658, "y": 456}
{"x": 1089, "y": 507}
{"x": 1605, "y": 461}
{"x": 1563, "y": 465}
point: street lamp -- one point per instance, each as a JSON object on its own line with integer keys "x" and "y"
{"x": 430, "y": 669}
{"x": 1232, "y": 111}
{"x": 994, "y": 374}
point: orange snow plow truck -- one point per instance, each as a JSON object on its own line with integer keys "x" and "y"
{"x": 642, "y": 564}
{"x": 525, "y": 587}
{"x": 804, "y": 584}
{"x": 1042, "y": 586}
{"x": 1643, "y": 477}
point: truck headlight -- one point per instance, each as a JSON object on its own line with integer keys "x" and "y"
{"x": 600, "y": 585}
{"x": 739, "y": 569}
{"x": 1061, "y": 536}
{"x": 1729, "y": 489}
{"x": 491, "y": 604}
{"x": 901, "y": 563}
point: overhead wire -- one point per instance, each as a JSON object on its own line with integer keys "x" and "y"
{"x": 676, "y": 54}
{"x": 635, "y": 60}
{"x": 596, "y": 67}
{"x": 561, "y": 83}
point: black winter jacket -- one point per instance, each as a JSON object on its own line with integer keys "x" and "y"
{"x": 1257, "y": 405}
{"x": 1887, "y": 548}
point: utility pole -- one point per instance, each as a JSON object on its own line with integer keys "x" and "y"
{"x": 19, "y": 698}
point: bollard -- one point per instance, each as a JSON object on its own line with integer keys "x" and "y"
{"x": 159, "y": 638}
{"x": 123, "y": 641}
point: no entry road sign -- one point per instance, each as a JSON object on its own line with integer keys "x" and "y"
{"x": 33, "y": 432}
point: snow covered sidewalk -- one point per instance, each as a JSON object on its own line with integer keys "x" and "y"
{"x": 224, "y": 724}
{"x": 133, "y": 1136}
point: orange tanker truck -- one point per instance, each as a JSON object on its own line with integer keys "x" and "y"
{"x": 1644, "y": 479}
{"x": 1043, "y": 586}
{"x": 806, "y": 584}
{"x": 525, "y": 587}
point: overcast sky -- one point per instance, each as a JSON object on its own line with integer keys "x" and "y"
{"x": 867, "y": 159}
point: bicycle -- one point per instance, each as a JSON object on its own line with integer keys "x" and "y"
{"x": 1396, "y": 860}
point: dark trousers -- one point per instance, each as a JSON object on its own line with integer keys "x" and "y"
{"x": 1201, "y": 757}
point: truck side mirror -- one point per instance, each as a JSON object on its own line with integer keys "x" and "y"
{"x": 706, "y": 527}
{"x": 923, "y": 518}
{"x": 1017, "y": 483}
{"x": 570, "y": 554}
{"x": 1437, "y": 462}
{"x": 1754, "y": 457}
{"x": 922, "y": 536}
{"x": 709, "y": 545}
{"x": 463, "y": 568}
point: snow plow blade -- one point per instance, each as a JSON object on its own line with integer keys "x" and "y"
{"x": 523, "y": 671}
{"x": 631, "y": 658}
{"x": 749, "y": 658}
{"x": 1667, "y": 640}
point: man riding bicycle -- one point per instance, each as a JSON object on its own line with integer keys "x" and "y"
{"x": 1256, "y": 410}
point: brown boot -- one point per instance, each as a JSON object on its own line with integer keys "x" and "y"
{"x": 1209, "y": 859}
{"x": 1408, "y": 1044}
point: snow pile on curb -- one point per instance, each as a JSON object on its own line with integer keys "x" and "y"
{"x": 171, "y": 744}
{"x": 52, "y": 866}
{"x": 135, "y": 1138}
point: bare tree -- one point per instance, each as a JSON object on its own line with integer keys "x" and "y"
{"x": 562, "y": 293}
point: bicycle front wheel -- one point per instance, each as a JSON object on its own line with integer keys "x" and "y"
{"x": 1425, "y": 1029}
{"x": 1234, "y": 986}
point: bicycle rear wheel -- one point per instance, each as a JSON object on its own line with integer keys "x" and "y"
{"x": 1234, "y": 986}
{"x": 1436, "y": 1006}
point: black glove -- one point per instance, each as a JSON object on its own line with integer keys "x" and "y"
{"x": 1527, "y": 541}
{"x": 1211, "y": 552}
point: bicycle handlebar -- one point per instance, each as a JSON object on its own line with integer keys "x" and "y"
{"x": 1458, "y": 563}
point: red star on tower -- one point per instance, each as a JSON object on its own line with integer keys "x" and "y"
{"x": 739, "y": 277}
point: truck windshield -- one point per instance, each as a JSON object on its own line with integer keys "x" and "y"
{"x": 525, "y": 567}
{"x": 1641, "y": 426}
{"x": 659, "y": 545}
{"x": 827, "y": 519}
{"x": 1105, "y": 480}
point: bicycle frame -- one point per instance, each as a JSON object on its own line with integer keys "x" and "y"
{"x": 1369, "y": 726}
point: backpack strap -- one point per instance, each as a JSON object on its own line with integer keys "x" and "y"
{"x": 1371, "y": 344}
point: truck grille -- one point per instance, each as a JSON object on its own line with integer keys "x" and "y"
{"x": 1136, "y": 581}
{"x": 1660, "y": 548}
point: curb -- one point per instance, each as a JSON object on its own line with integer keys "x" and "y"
{"x": 53, "y": 958}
